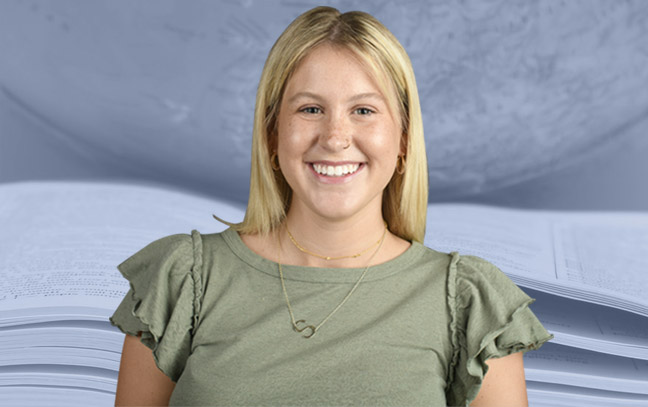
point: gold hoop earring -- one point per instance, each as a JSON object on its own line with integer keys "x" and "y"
{"x": 272, "y": 161}
{"x": 400, "y": 165}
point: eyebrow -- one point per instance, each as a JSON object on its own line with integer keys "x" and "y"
{"x": 299, "y": 95}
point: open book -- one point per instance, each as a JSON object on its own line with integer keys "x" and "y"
{"x": 60, "y": 244}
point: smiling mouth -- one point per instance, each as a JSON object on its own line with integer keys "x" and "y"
{"x": 335, "y": 170}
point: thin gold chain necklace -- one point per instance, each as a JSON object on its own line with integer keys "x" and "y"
{"x": 314, "y": 329}
{"x": 304, "y": 250}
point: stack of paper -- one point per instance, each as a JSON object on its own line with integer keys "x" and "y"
{"x": 59, "y": 247}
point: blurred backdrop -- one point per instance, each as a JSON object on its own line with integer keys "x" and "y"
{"x": 531, "y": 104}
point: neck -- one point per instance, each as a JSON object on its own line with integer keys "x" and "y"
{"x": 339, "y": 238}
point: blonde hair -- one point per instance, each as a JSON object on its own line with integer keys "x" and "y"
{"x": 404, "y": 204}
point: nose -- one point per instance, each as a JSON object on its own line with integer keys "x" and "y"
{"x": 336, "y": 134}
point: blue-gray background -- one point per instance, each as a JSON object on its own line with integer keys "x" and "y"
{"x": 536, "y": 104}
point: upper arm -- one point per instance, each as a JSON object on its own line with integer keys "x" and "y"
{"x": 140, "y": 381}
{"x": 504, "y": 383}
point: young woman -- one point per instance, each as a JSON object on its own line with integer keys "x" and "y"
{"x": 325, "y": 294}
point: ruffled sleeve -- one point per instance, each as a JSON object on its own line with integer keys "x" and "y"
{"x": 490, "y": 318}
{"x": 164, "y": 298}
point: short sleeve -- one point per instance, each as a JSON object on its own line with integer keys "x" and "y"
{"x": 164, "y": 298}
{"x": 490, "y": 318}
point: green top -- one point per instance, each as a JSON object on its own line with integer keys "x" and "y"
{"x": 416, "y": 331}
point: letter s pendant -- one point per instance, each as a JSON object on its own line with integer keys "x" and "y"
{"x": 311, "y": 327}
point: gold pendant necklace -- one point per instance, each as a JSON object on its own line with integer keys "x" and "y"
{"x": 313, "y": 329}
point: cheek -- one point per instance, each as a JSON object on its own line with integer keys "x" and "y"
{"x": 292, "y": 141}
{"x": 291, "y": 135}
{"x": 383, "y": 140}
{"x": 284, "y": 134}
{"x": 296, "y": 135}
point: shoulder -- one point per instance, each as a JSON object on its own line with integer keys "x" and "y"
{"x": 174, "y": 252}
{"x": 468, "y": 265}
{"x": 182, "y": 246}
{"x": 164, "y": 251}
{"x": 474, "y": 273}
{"x": 462, "y": 268}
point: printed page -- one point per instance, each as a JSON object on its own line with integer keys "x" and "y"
{"x": 518, "y": 242}
{"x": 61, "y": 241}
{"x": 554, "y": 363}
{"x": 606, "y": 255}
{"x": 591, "y": 326}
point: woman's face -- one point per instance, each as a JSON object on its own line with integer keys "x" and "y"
{"x": 337, "y": 140}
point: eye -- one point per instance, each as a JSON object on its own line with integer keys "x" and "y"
{"x": 364, "y": 111}
{"x": 311, "y": 110}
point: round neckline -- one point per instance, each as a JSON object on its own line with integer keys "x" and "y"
{"x": 320, "y": 274}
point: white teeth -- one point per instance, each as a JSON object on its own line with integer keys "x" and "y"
{"x": 335, "y": 171}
